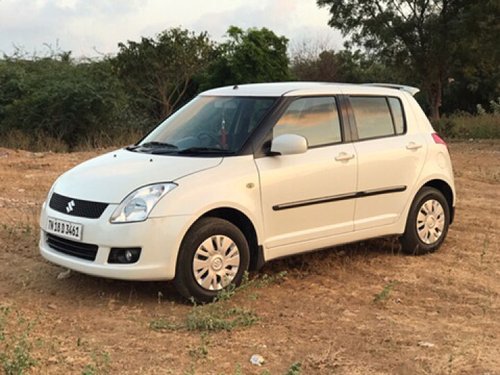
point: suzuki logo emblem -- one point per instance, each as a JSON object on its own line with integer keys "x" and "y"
{"x": 70, "y": 206}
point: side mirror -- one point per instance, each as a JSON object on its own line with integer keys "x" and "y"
{"x": 288, "y": 144}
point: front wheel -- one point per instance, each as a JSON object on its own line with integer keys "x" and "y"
{"x": 427, "y": 223}
{"x": 213, "y": 255}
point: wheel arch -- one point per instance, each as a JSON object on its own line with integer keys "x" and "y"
{"x": 446, "y": 190}
{"x": 246, "y": 226}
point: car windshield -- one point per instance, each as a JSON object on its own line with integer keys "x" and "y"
{"x": 207, "y": 125}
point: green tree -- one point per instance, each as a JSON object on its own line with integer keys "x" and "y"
{"x": 159, "y": 71}
{"x": 343, "y": 66}
{"x": 321, "y": 67}
{"x": 251, "y": 56}
{"x": 475, "y": 76}
{"x": 420, "y": 37}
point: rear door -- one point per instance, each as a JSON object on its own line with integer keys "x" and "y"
{"x": 304, "y": 196}
{"x": 390, "y": 154}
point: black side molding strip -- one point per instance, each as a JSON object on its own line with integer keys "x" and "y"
{"x": 340, "y": 197}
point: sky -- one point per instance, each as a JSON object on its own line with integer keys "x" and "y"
{"x": 93, "y": 27}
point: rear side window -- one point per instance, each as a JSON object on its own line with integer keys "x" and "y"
{"x": 316, "y": 119}
{"x": 397, "y": 115}
{"x": 377, "y": 116}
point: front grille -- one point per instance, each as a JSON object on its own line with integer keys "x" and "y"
{"x": 77, "y": 207}
{"x": 76, "y": 249}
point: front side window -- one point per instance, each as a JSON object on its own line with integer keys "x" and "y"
{"x": 314, "y": 118}
{"x": 377, "y": 116}
{"x": 216, "y": 125}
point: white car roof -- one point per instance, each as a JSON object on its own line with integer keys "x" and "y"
{"x": 308, "y": 88}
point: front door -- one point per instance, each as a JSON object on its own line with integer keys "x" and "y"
{"x": 308, "y": 196}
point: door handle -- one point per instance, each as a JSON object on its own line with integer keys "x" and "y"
{"x": 413, "y": 146}
{"x": 344, "y": 156}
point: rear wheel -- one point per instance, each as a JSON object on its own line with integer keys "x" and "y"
{"x": 214, "y": 254}
{"x": 427, "y": 223}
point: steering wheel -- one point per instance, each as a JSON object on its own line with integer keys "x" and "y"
{"x": 204, "y": 135}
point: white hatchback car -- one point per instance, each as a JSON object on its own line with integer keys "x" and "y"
{"x": 245, "y": 174}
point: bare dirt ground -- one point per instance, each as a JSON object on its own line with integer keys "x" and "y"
{"x": 357, "y": 309}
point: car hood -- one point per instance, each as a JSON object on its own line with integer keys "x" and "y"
{"x": 111, "y": 177}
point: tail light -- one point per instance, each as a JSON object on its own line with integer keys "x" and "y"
{"x": 438, "y": 139}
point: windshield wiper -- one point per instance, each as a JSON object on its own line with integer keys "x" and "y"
{"x": 204, "y": 150}
{"x": 131, "y": 147}
{"x": 155, "y": 144}
{"x": 156, "y": 147}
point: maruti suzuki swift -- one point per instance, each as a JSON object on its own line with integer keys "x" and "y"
{"x": 244, "y": 174}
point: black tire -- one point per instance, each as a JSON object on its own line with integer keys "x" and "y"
{"x": 411, "y": 241}
{"x": 205, "y": 229}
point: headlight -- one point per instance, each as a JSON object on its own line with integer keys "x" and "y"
{"x": 138, "y": 204}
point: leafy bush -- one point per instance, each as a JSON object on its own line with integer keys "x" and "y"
{"x": 60, "y": 103}
{"x": 464, "y": 126}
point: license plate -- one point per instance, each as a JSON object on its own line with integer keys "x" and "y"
{"x": 65, "y": 228}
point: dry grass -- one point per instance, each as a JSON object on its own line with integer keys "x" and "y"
{"x": 357, "y": 309}
{"x": 36, "y": 142}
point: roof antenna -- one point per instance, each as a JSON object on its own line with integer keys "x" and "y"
{"x": 235, "y": 87}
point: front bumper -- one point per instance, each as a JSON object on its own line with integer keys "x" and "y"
{"x": 159, "y": 239}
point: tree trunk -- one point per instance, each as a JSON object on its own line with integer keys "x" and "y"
{"x": 166, "y": 106}
{"x": 435, "y": 97}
